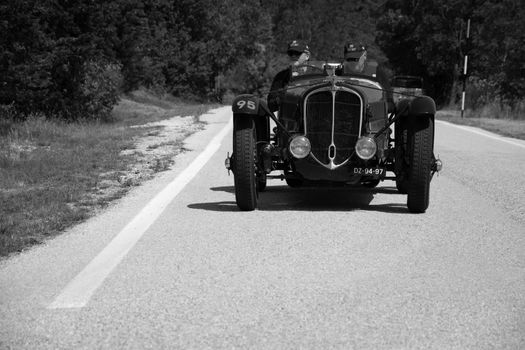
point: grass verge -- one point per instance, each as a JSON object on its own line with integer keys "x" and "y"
{"x": 55, "y": 174}
{"x": 507, "y": 127}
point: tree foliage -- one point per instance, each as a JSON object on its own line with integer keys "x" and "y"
{"x": 428, "y": 38}
{"x": 72, "y": 58}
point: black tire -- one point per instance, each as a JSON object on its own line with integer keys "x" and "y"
{"x": 371, "y": 183}
{"x": 401, "y": 163}
{"x": 294, "y": 183}
{"x": 261, "y": 183}
{"x": 421, "y": 140}
{"x": 244, "y": 148}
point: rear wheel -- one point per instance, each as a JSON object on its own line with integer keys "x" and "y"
{"x": 421, "y": 140}
{"x": 244, "y": 148}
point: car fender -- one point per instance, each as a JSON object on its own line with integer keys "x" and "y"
{"x": 422, "y": 105}
{"x": 246, "y": 105}
{"x": 250, "y": 106}
{"x": 418, "y": 106}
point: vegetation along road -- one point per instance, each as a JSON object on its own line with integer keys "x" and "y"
{"x": 175, "y": 264}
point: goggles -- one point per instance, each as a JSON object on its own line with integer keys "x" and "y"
{"x": 294, "y": 53}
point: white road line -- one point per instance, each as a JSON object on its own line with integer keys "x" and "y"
{"x": 483, "y": 133}
{"x": 78, "y": 292}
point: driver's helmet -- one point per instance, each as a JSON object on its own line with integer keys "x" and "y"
{"x": 353, "y": 51}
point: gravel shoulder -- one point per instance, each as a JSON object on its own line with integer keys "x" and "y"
{"x": 56, "y": 175}
{"x": 155, "y": 151}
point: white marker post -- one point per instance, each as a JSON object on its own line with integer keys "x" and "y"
{"x": 465, "y": 72}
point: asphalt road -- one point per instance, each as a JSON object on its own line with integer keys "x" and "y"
{"x": 310, "y": 269}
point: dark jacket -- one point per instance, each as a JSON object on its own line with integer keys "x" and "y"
{"x": 280, "y": 81}
{"x": 377, "y": 71}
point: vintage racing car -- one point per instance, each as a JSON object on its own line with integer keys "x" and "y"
{"x": 333, "y": 129}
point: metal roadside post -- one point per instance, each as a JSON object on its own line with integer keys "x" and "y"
{"x": 465, "y": 63}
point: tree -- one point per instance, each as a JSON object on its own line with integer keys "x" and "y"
{"x": 48, "y": 52}
{"x": 497, "y": 47}
{"x": 423, "y": 38}
{"x": 427, "y": 38}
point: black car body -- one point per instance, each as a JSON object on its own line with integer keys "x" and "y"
{"x": 333, "y": 129}
{"x": 406, "y": 86}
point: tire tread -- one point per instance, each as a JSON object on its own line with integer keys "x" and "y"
{"x": 244, "y": 164}
{"x": 420, "y": 165}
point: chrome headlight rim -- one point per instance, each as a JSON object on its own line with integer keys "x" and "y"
{"x": 299, "y": 146}
{"x": 366, "y": 147}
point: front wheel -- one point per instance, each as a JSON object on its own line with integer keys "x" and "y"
{"x": 244, "y": 148}
{"x": 294, "y": 183}
{"x": 261, "y": 182}
{"x": 401, "y": 154}
{"x": 421, "y": 140}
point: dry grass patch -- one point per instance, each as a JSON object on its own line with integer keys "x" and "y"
{"x": 54, "y": 174}
{"x": 507, "y": 127}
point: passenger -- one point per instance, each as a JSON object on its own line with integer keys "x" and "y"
{"x": 356, "y": 62}
{"x": 298, "y": 53}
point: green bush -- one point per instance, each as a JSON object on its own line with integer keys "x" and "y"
{"x": 484, "y": 99}
{"x": 99, "y": 90}
{"x": 7, "y": 118}
{"x": 481, "y": 91}
{"x": 72, "y": 91}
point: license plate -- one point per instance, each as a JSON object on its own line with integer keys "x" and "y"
{"x": 369, "y": 171}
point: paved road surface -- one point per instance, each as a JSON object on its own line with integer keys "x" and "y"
{"x": 310, "y": 269}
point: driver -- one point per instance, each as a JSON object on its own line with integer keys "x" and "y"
{"x": 298, "y": 53}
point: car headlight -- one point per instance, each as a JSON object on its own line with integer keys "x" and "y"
{"x": 300, "y": 147}
{"x": 365, "y": 147}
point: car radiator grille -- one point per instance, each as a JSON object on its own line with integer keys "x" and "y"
{"x": 332, "y": 124}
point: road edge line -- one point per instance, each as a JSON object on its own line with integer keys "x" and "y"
{"x": 483, "y": 133}
{"x": 80, "y": 289}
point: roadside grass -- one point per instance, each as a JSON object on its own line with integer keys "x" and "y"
{"x": 140, "y": 107}
{"x": 54, "y": 174}
{"x": 514, "y": 127}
